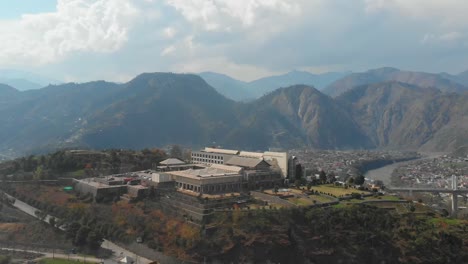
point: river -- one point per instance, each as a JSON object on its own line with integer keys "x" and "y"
{"x": 385, "y": 173}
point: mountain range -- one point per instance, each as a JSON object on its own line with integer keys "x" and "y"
{"x": 442, "y": 81}
{"x": 157, "y": 109}
{"x": 244, "y": 91}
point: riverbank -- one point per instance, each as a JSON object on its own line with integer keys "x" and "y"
{"x": 384, "y": 173}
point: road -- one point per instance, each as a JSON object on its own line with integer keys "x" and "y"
{"x": 117, "y": 250}
{"x": 57, "y": 255}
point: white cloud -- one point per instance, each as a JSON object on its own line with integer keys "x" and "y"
{"x": 168, "y": 51}
{"x": 224, "y": 15}
{"x": 445, "y": 38}
{"x": 169, "y": 32}
{"x": 243, "y": 38}
{"x": 450, "y": 13}
{"x": 223, "y": 65}
{"x": 76, "y": 26}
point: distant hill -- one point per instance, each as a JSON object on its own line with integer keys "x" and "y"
{"x": 7, "y": 93}
{"x": 242, "y": 91}
{"x": 461, "y": 152}
{"x": 6, "y": 89}
{"x": 23, "y": 81}
{"x": 21, "y": 84}
{"x": 319, "y": 81}
{"x": 229, "y": 87}
{"x": 399, "y": 115}
{"x": 157, "y": 109}
{"x": 425, "y": 80}
{"x": 461, "y": 78}
{"x": 298, "y": 116}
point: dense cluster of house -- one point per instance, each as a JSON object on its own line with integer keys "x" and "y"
{"x": 436, "y": 172}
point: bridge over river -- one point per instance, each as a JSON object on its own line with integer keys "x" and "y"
{"x": 454, "y": 192}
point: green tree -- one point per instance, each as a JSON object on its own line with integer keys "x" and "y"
{"x": 275, "y": 190}
{"x": 297, "y": 183}
{"x": 322, "y": 177}
{"x": 299, "y": 171}
{"x": 359, "y": 180}
{"x": 52, "y": 221}
{"x": 331, "y": 177}
{"x": 5, "y": 259}
{"x": 81, "y": 236}
{"x": 39, "y": 173}
{"x": 72, "y": 230}
{"x": 94, "y": 240}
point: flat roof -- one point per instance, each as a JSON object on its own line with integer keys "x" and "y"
{"x": 251, "y": 154}
{"x": 221, "y": 151}
{"x": 235, "y": 169}
{"x": 171, "y": 162}
{"x": 99, "y": 185}
{"x": 205, "y": 173}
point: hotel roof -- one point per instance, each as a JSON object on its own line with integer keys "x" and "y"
{"x": 245, "y": 162}
{"x": 222, "y": 151}
{"x": 171, "y": 162}
{"x": 215, "y": 170}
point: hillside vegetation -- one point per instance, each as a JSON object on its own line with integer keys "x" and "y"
{"x": 157, "y": 109}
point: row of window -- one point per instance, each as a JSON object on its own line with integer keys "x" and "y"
{"x": 207, "y": 156}
{"x": 201, "y": 160}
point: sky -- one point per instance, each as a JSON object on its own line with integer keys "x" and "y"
{"x": 115, "y": 40}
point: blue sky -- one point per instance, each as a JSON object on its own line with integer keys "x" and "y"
{"x": 14, "y": 9}
{"x": 83, "y": 40}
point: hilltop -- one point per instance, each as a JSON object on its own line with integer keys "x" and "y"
{"x": 157, "y": 109}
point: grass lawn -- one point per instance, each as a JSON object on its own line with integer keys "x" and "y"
{"x": 78, "y": 173}
{"x": 320, "y": 198}
{"x": 60, "y": 261}
{"x": 300, "y": 201}
{"x": 259, "y": 207}
{"x": 447, "y": 221}
{"x": 340, "y": 205}
{"x": 378, "y": 198}
{"x": 336, "y": 190}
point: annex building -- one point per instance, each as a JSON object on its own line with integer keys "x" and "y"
{"x": 208, "y": 156}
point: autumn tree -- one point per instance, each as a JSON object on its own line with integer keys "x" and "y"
{"x": 176, "y": 152}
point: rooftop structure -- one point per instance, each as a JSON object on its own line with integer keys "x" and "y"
{"x": 221, "y": 151}
{"x": 222, "y": 156}
{"x": 251, "y": 163}
{"x": 214, "y": 179}
{"x": 171, "y": 162}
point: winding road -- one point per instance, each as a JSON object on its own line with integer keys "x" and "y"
{"x": 117, "y": 250}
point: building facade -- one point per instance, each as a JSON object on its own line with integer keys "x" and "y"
{"x": 211, "y": 180}
{"x": 221, "y": 156}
